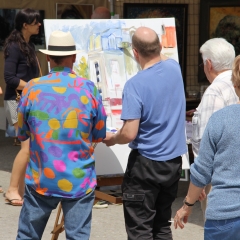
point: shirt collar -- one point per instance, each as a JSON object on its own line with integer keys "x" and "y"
{"x": 62, "y": 69}
{"x": 223, "y": 75}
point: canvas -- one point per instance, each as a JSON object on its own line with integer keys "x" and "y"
{"x": 107, "y": 58}
{"x": 219, "y": 19}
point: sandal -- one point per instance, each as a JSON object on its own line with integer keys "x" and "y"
{"x": 16, "y": 142}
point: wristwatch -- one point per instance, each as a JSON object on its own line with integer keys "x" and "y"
{"x": 187, "y": 203}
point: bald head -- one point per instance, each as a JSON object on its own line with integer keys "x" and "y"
{"x": 101, "y": 13}
{"x": 146, "y": 42}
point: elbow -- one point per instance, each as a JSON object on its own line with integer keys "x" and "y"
{"x": 129, "y": 137}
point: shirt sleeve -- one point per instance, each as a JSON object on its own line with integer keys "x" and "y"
{"x": 131, "y": 103}
{"x": 10, "y": 66}
{"x": 23, "y": 114}
{"x": 202, "y": 168}
{"x": 99, "y": 122}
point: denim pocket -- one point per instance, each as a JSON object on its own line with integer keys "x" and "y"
{"x": 223, "y": 225}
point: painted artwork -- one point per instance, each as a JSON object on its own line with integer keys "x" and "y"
{"x": 163, "y": 10}
{"x": 106, "y": 55}
{"x": 73, "y": 11}
{"x": 225, "y": 22}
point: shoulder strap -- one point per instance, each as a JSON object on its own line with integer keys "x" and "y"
{"x": 40, "y": 70}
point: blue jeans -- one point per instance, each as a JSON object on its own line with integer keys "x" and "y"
{"x": 222, "y": 229}
{"x": 37, "y": 208}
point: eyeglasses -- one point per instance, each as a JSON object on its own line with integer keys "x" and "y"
{"x": 34, "y": 24}
{"x": 201, "y": 65}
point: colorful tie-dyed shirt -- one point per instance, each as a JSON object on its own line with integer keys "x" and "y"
{"x": 63, "y": 115}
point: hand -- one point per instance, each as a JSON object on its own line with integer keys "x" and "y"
{"x": 202, "y": 196}
{"x": 109, "y": 140}
{"x": 182, "y": 216}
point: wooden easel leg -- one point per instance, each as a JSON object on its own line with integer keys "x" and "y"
{"x": 58, "y": 227}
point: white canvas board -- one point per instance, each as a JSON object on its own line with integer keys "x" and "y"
{"x": 106, "y": 55}
{"x": 111, "y": 160}
{"x": 107, "y": 59}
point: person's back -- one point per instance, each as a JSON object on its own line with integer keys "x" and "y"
{"x": 218, "y": 95}
{"x": 221, "y": 140}
{"x": 218, "y": 56}
{"x": 63, "y": 110}
{"x": 63, "y": 115}
{"x": 154, "y": 124}
{"x": 161, "y": 132}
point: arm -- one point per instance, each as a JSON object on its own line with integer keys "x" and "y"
{"x": 125, "y": 135}
{"x": 131, "y": 114}
{"x": 10, "y": 68}
{"x": 23, "y": 113}
{"x": 185, "y": 211}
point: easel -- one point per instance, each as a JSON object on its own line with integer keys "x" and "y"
{"x": 110, "y": 180}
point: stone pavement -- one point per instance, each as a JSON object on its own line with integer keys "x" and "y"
{"x": 107, "y": 223}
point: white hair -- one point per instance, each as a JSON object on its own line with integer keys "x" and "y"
{"x": 220, "y": 52}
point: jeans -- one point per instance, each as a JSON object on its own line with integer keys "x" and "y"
{"x": 222, "y": 229}
{"x": 37, "y": 208}
{"x": 149, "y": 188}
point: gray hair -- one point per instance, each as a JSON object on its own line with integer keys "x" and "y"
{"x": 220, "y": 52}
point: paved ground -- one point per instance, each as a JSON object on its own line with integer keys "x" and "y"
{"x": 107, "y": 224}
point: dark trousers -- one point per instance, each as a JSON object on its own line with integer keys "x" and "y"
{"x": 149, "y": 189}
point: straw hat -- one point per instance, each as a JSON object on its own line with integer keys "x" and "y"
{"x": 60, "y": 44}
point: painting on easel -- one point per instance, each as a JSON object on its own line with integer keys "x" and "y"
{"x": 107, "y": 58}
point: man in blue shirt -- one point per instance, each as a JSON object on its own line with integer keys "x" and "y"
{"x": 154, "y": 124}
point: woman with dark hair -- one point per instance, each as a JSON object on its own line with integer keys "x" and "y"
{"x": 21, "y": 65}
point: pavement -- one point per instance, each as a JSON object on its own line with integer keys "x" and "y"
{"x": 107, "y": 223}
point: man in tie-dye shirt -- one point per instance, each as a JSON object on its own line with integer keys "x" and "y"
{"x": 63, "y": 116}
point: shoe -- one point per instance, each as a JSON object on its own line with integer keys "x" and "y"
{"x": 101, "y": 204}
{"x": 16, "y": 142}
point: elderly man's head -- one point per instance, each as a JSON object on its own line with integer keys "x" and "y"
{"x": 218, "y": 56}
